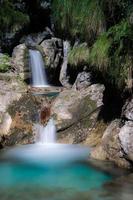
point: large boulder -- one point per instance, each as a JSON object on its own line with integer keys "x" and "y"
{"x": 74, "y": 111}
{"x": 83, "y": 80}
{"x": 64, "y": 78}
{"x": 110, "y": 146}
{"x": 5, "y": 124}
{"x": 52, "y": 49}
{"x": 127, "y": 110}
{"x": 11, "y": 90}
{"x": 18, "y": 60}
{"x": 126, "y": 140}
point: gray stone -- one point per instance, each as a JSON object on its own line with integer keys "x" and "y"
{"x": 110, "y": 146}
{"x": 127, "y": 110}
{"x": 126, "y": 139}
{"x": 17, "y": 60}
{"x": 64, "y": 78}
{"x": 83, "y": 80}
{"x": 71, "y": 106}
{"x": 52, "y": 49}
{"x": 34, "y": 39}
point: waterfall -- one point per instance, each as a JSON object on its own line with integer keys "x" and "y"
{"x": 39, "y": 78}
{"x": 47, "y": 134}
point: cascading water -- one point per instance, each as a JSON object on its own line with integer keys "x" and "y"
{"x": 45, "y": 149}
{"x": 39, "y": 78}
{"x": 46, "y": 135}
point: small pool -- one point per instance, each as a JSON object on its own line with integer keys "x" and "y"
{"x": 41, "y": 182}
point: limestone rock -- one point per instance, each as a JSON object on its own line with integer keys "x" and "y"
{"x": 17, "y": 61}
{"x": 126, "y": 139}
{"x": 72, "y": 106}
{"x": 99, "y": 153}
{"x": 111, "y": 145}
{"x": 127, "y": 110}
{"x": 83, "y": 80}
{"x": 11, "y": 89}
{"x": 52, "y": 49}
{"x": 95, "y": 92}
{"x": 64, "y": 78}
{"x": 34, "y": 39}
{"x": 5, "y": 124}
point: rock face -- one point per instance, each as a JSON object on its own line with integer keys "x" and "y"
{"x": 114, "y": 142}
{"x": 72, "y": 109}
{"x": 5, "y": 124}
{"x": 11, "y": 89}
{"x": 64, "y": 78}
{"x": 19, "y": 111}
{"x": 126, "y": 139}
{"x": 18, "y": 60}
{"x": 52, "y": 49}
{"x": 127, "y": 110}
{"x": 83, "y": 80}
{"x": 32, "y": 40}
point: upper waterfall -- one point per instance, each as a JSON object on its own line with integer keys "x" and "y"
{"x": 39, "y": 78}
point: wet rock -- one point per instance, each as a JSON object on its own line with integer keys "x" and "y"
{"x": 99, "y": 153}
{"x": 64, "y": 78}
{"x": 45, "y": 114}
{"x": 24, "y": 113}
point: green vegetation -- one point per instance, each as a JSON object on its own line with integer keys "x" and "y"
{"x": 76, "y": 17}
{"x": 10, "y": 18}
{"x": 4, "y": 63}
{"x": 106, "y": 27}
{"x": 79, "y": 55}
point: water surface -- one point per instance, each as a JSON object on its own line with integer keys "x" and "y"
{"x": 69, "y": 182}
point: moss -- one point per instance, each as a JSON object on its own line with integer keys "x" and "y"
{"x": 99, "y": 54}
{"x": 4, "y": 62}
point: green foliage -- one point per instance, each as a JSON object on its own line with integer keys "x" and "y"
{"x": 11, "y": 19}
{"x": 78, "y": 55}
{"x": 111, "y": 54}
{"x": 99, "y": 55}
{"x": 76, "y": 17}
{"x": 4, "y": 63}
